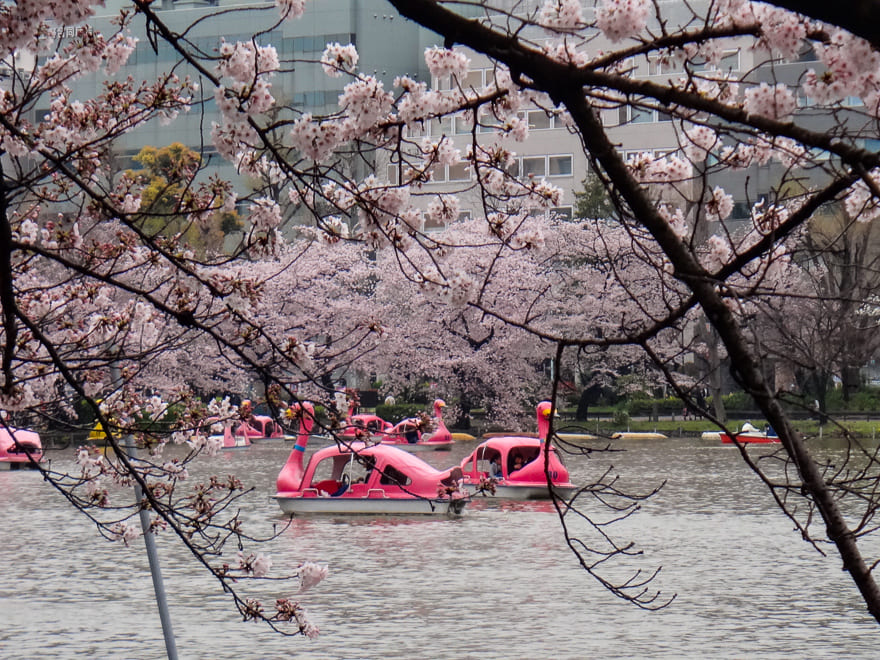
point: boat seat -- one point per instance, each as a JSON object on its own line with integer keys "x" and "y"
{"x": 328, "y": 486}
{"x": 358, "y": 490}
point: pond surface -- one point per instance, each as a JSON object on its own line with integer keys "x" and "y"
{"x": 497, "y": 583}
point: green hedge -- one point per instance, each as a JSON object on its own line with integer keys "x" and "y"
{"x": 667, "y": 406}
{"x": 400, "y": 411}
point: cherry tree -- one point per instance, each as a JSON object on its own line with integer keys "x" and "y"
{"x": 91, "y": 301}
{"x": 738, "y": 119}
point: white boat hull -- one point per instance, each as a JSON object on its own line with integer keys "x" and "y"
{"x": 376, "y": 506}
{"x": 522, "y": 492}
{"x": 16, "y": 465}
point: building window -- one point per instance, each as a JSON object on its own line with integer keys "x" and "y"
{"x": 460, "y": 172}
{"x": 729, "y": 62}
{"x": 640, "y": 115}
{"x": 561, "y": 213}
{"x": 473, "y": 80}
{"x": 316, "y": 98}
{"x": 653, "y": 153}
{"x": 559, "y": 166}
{"x": 539, "y": 120}
{"x": 658, "y": 67}
{"x": 534, "y": 166}
{"x": 489, "y": 122}
{"x": 440, "y": 126}
{"x": 463, "y": 125}
{"x": 538, "y": 166}
{"x": 807, "y": 54}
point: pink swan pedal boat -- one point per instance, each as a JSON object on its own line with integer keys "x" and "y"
{"x": 360, "y": 479}
{"x": 407, "y": 434}
{"x": 240, "y": 438}
{"x": 364, "y": 425}
{"x": 262, "y": 427}
{"x": 15, "y": 447}
{"x": 496, "y": 459}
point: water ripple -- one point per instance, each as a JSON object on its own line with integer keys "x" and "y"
{"x": 498, "y": 583}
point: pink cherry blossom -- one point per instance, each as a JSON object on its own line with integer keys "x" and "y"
{"x": 311, "y": 574}
{"x": 561, "y": 15}
{"x": 776, "y": 102}
{"x": 621, "y": 19}
{"x": 719, "y": 205}
{"x": 338, "y": 59}
{"x": 291, "y": 9}
{"x": 444, "y": 62}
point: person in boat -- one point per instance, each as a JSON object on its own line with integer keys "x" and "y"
{"x": 495, "y": 468}
{"x": 769, "y": 431}
{"x": 517, "y": 463}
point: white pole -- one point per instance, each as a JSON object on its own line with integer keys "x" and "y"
{"x": 150, "y": 543}
{"x": 155, "y": 568}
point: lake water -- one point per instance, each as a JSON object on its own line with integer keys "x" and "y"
{"x": 497, "y": 583}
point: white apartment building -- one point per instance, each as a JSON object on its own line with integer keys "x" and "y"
{"x": 390, "y": 46}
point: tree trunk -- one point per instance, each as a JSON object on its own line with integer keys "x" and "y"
{"x": 715, "y": 378}
{"x": 583, "y": 409}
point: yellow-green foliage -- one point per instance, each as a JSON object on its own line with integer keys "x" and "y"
{"x": 167, "y": 179}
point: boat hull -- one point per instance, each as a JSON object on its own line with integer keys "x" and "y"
{"x": 522, "y": 491}
{"x": 627, "y": 435}
{"x": 375, "y": 506}
{"x": 750, "y": 438}
{"x": 5, "y": 466}
{"x": 231, "y": 442}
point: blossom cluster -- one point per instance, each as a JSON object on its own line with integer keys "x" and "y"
{"x": 860, "y": 202}
{"x": 559, "y": 15}
{"x": 337, "y": 59}
{"x": 443, "y": 62}
{"x": 852, "y": 68}
{"x": 621, "y": 19}
{"x": 776, "y": 102}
